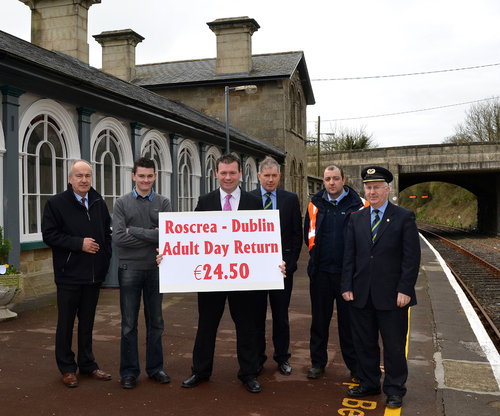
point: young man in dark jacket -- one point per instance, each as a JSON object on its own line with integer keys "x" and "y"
{"x": 76, "y": 225}
{"x": 324, "y": 230}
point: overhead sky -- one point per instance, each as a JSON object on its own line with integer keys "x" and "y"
{"x": 340, "y": 39}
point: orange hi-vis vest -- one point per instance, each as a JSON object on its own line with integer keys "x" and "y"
{"x": 312, "y": 210}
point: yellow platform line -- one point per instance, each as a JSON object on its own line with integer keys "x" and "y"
{"x": 397, "y": 412}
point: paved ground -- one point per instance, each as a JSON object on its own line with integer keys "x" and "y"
{"x": 30, "y": 382}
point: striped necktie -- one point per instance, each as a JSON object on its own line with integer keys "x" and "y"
{"x": 268, "y": 204}
{"x": 375, "y": 224}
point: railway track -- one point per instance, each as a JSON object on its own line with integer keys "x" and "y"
{"x": 475, "y": 262}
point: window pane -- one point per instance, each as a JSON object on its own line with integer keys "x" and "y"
{"x": 32, "y": 211}
{"x": 60, "y": 177}
{"x": 118, "y": 187}
{"x": 31, "y": 165}
{"x": 98, "y": 177}
{"x": 101, "y": 147}
{"x": 35, "y": 138}
{"x": 53, "y": 138}
{"x": 113, "y": 148}
{"x": 45, "y": 170}
{"x": 43, "y": 200}
{"x": 108, "y": 175}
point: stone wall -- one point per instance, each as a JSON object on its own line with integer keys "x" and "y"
{"x": 36, "y": 266}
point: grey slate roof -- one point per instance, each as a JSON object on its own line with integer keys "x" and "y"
{"x": 202, "y": 71}
{"x": 59, "y": 76}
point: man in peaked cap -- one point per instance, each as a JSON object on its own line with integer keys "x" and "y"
{"x": 380, "y": 269}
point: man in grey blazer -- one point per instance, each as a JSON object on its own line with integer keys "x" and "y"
{"x": 380, "y": 269}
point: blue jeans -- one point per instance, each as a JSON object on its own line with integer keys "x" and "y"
{"x": 132, "y": 284}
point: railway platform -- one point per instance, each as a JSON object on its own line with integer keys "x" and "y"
{"x": 452, "y": 369}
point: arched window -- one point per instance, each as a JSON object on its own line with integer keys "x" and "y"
{"x": 189, "y": 170}
{"x": 44, "y": 169}
{"x": 186, "y": 200}
{"x": 298, "y": 115}
{"x": 250, "y": 173}
{"x": 48, "y": 141}
{"x": 155, "y": 147}
{"x": 211, "y": 180}
{"x": 211, "y": 184}
{"x": 293, "y": 109}
{"x": 107, "y": 160}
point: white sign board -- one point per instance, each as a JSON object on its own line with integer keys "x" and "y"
{"x": 211, "y": 251}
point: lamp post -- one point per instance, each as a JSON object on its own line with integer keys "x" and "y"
{"x": 249, "y": 89}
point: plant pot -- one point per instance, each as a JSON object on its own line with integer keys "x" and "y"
{"x": 11, "y": 286}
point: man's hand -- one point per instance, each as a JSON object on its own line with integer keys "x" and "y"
{"x": 282, "y": 267}
{"x": 90, "y": 246}
{"x": 348, "y": 296}
{"x": 159, "y": 257}
{"x": 403, "y": 300}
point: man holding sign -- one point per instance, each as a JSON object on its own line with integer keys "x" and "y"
{"x": 242, "y": 304}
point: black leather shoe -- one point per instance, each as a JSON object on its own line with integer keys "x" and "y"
{"x": 161, "y": 377}
{"x": 394, "y": 401}
{"x": 360, "y": 391}
{"x": 128, "y": 382}
{"x": 193, "y": 380}
{"x": 285, "y": 368}
{"x": 315, "y": 372}
{"x": 252, "y": 385}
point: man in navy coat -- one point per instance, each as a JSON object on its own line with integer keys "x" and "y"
{"x": 291, "y": 242}
{"x": 381, "y": 263}
{"x": 242, "y": 304}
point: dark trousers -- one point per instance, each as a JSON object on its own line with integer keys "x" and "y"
{"x": 392, "y": 325}
{"x": 242, "y": 306}
{"x": 279, "y": 301}
{"x": 133, "y": 284}
{"x": 72, "y": 301}
{"x": 324, "y": 292}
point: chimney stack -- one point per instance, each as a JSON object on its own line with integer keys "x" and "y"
{"x": 118, "y": 52}
{"x": 234, "y": 44}
{"x": 61, "y": 25}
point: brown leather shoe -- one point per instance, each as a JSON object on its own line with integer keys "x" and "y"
{"x": 100, "y": 375}
{"x": 70, "y": 380}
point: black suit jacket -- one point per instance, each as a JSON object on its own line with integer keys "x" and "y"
{"x": 211, "y": 202}
{"x": 290, "y": 224}
{"x": 386, "y": 266}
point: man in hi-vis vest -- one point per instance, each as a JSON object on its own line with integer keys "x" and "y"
{"x": 324, "y": 229}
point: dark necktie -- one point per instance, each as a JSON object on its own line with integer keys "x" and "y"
{"x": 334, "y": 203}
{"x": 375, "y": 224}
{"x": 82, "y": 201}
{"x": 268, "y": 204}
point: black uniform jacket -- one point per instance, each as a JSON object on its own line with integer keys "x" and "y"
{"x": 386, "y": 266}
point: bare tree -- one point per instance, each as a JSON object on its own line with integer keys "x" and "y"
{"x": 482, "y": 124}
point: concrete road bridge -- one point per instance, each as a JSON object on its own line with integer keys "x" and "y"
{"x": 475, "y": 167}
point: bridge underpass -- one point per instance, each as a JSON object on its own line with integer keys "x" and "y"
{"x": 475, "y": 167}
